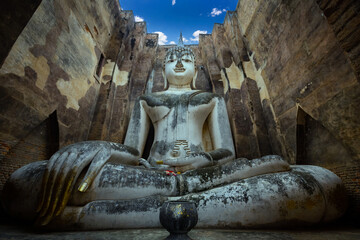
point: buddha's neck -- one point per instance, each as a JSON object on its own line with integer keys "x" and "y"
{"x": 179, "y": 88}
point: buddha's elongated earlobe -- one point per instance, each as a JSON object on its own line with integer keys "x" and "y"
{"x": 193, "y": 82}
{"x": 166, "y": 83}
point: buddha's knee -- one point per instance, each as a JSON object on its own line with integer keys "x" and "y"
{"x": 331, "y": 187}
{"x": 21, "y": 191}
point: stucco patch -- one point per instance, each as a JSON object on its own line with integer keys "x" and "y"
{"x": 263, "y": 91}
{"x": 249, "y": 70}
{"x": 120, "y": 77}
{"x": 235, "y": 75}
{"x": 73, "y": 90}
{"x": 39, "y": 65}
{"x": 42, "y": 70}
{"x": 107, "y": 71}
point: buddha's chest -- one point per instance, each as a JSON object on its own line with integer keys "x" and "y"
{"x": 176, "y": 110}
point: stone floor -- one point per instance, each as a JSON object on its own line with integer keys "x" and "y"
{"x": 11, "y": 231}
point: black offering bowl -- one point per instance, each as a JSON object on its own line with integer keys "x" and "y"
{"x": 178, "y": 217}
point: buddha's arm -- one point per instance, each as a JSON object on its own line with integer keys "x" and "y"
{"x": 65, "y": 166}
{"x": 138, "y": 128}
{"x": 220, "y": 133}
{"x": 221, "y": 138}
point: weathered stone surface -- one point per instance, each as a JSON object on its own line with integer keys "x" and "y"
{"x": 321, "y": 148}
{"x": 234, "y": 37}
{"x": 221, "y": 46}
{"x": 248, "y": 124}
{"x": 305, "y": 57}
{"x": 340, "y": 116}
{"x": 14, "y": 15}
{"x": 52, "y": 66}
{"x": 143, "y": 67}
{"x": 311, "y": 62}
{"x": 276, "y": 140}
{"x": 210, "y": 61}
{"x": 257, "y": 115}
{"x": 343, "y": 17}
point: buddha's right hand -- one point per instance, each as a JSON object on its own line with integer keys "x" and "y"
{"x": 63, "y": 170}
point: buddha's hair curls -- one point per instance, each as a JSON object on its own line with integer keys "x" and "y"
{"x": 179, "y": 51}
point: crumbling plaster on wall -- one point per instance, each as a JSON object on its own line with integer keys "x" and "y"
{"x": 302, "y": 57}
{"x": 50, "y": 67}
{"x": 235, "y": 76}
{"x": 305, "y": 62}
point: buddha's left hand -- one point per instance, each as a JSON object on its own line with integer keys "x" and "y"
{"x": 190, "y": 162}
{"x": 200, "y": 159}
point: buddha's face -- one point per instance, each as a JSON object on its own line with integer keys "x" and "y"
{"x": 180, "y": 69}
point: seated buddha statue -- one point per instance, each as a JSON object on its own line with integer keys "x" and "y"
{"x": 105, "y": 185}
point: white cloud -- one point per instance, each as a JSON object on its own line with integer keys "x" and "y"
{"x": 196, "y": 35}
{"x": 185, "y": 40}
{"x": 172, "y": 42}
{"x": 215, "y": 12}
{"x": 162, "y": 38}
{"x": 173, "y": 2}
{"x": 138, "y": 19}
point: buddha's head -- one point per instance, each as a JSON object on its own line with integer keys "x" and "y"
{"x": 179, "y": 66}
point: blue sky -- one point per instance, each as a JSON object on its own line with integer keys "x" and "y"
{"x": 169, "y": 17}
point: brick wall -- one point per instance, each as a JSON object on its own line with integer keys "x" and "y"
{"x": 40, "y": 144}
{"x": 350, "y": 175}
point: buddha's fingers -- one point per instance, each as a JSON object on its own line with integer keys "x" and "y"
{"x": 80, "y": 163}
{"x": 74, "y": 166}
{"x": 59, "y": 186}
{"x": 51, "y": 182}
{"x": 96, "y": 165}
{"x": 45, "y": 179}
{"x": 66, "y": 193}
